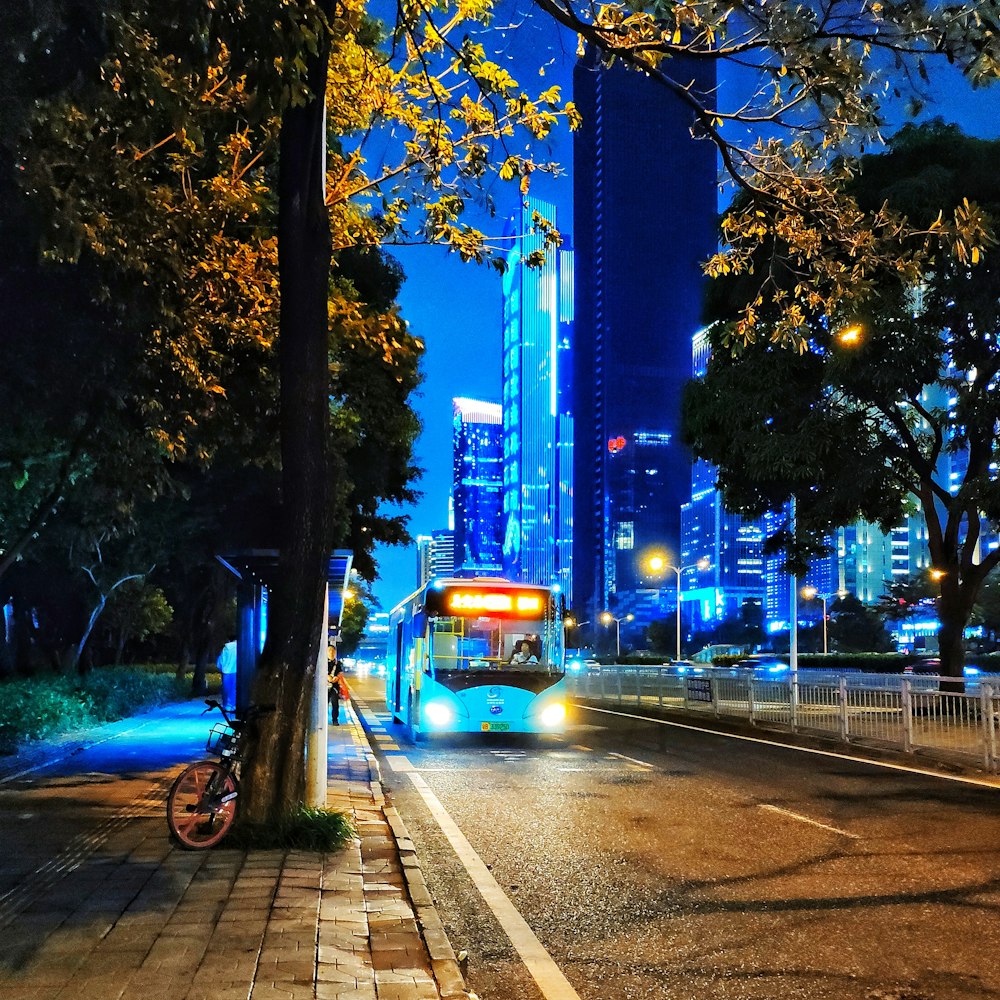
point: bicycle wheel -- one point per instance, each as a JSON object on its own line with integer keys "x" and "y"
{"x": 201, "y": 805}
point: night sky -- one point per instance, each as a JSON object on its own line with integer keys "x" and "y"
{"x": 456, "y": 308}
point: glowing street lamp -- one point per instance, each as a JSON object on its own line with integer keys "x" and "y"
{"x": 809, "y": 593}
{"x": 606, "y": 619}
{"x": 850, "y": 336}
{"x": 657, "y": 564}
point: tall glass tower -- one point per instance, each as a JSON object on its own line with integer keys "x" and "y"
{"x": 477, "y": 487}
{"x": 732, "y": 545}
{"x": 644, "y": 221}
{"x": 537, "y": 423}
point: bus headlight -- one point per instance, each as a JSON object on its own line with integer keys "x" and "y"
{"x": 553, "y": 714}
{"x": 438, "y": 713}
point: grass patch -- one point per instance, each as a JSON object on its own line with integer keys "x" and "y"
{"x": 37, "y": 707}
{"x": 306, "y": 829}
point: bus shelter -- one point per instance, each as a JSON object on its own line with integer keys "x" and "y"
{"x": 255, "y": 571}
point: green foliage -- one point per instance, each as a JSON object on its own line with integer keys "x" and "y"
{"x": 856, "y": 628}
{"x": 913, "y": 386}
{"x": 46, "y": 705}
{"x": 305, "y": 829}
{"x": 136, "y": 611}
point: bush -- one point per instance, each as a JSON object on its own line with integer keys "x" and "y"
{"x": 36, "y": 707}
{"x": 305, "y": 829}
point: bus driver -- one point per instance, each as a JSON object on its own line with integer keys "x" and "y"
{"x": 523, "y": 653}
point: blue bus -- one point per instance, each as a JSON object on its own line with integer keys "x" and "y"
{"x": 477, "y": 656}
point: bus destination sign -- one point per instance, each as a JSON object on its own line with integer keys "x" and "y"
{"x": 484, "y": 601}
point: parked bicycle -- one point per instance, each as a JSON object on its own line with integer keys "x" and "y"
{"x": 201, "y": 805}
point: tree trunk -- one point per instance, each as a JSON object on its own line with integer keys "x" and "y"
{"x": 275, "y": 770}
{"x": 199, "y": 685}
{"x": 954, "y": 611}
{"x": 76, "y": 660}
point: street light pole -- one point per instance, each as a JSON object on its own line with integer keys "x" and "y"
{"x": 808, "y": 593}
{"x": 607, "y": 618}
{"x": 657, "y": 563}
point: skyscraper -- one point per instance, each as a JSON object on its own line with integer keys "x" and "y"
{"x": 537, "y": 425}
{"x": 644, "y": 220}
{"x": 477, "y": 487}
{"x": 733, "y": 546}
{"x": 435, "y": 555}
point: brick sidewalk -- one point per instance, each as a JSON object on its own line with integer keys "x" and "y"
{"x": 130, "y": 917}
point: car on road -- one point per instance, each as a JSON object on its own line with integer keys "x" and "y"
{"x": 764, "y": 663}
{"x": 583, "y": 665}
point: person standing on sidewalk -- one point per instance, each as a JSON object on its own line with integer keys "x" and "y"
{"x": 226, "y": 664}
{"x": 337, "y": 691}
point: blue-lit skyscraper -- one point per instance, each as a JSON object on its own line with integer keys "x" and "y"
{"x": 477, "y": 487}
{"x": 733, "y": 546}
{"x": 644, "y": 221}
{"x": 537, "y": 424}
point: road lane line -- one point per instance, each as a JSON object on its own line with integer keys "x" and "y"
{"x": 631, "y": 760}
{"x": 868, "y": 761}
{"x": 806, "y": 819}
{"x": 549, "y": 977}
{"x": 399, "y": 762}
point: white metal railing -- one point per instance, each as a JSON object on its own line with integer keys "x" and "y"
{"x": 912, "y": 714}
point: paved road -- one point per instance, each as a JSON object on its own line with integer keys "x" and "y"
{"x": 704, "y": 866}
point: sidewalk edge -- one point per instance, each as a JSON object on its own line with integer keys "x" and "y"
{"x": 444, "y": 963}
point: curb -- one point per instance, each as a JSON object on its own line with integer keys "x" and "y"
{"x": 444, "y": 963}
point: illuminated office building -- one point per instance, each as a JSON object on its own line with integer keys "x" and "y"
{"x": 537, "y": 424}
{"x": 732, "y": 546}
{"x": 477, "y": 487}
{"x": 435, "y": 555}
{"x": 644, "y": 220}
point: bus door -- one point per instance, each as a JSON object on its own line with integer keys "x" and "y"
{"x": 398, "y": 670}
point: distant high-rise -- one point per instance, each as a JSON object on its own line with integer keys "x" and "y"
{"x": 644, "y": 221}
{"x": 435, "y": 555}
{"x": 732, "y": 546}
{"x": 477, "y": 487}
{"x": 537, "y": 425}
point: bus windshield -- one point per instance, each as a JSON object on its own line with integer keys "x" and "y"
{"x": 489, "y": 644}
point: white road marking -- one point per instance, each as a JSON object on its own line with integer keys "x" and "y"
{"x": 399, "y": 762}
{"x": 631, "y": 760}
{"x": 549, "y": 977}
{"x": 806, "y": 819}
{"x": 573, "y": 769}
{"x": 907, "y": 769}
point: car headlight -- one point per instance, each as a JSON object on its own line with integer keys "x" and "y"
{"x": 553, "y": 714}
{"x": 438, "y": 713}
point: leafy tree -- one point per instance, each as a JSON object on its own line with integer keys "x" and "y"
{"x": 135, "y": 612}
{"x": 908, "y": 596}
{"x": 662, "y": 636}
{"x": 817, "y": 74}
{"x": 352, "y": 624}
{"x": 197, "y": 172}
{"x": 854, "y": 627}
{"x": 901, "y": 414}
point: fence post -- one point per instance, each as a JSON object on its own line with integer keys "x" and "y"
{"x": 845, "y": 723}
{"x": 907, "y": 708}
{"x": 604, "y": 693}
{"x": 638, "y": 687}
{"x": 713, "y": 683}
{"x": 989, "y": 731}
{"x": 618, "y": 682}
{"x": 659, "y": 685}
{"x": 793, "y": 691}
{"x": 753, "y": 721}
